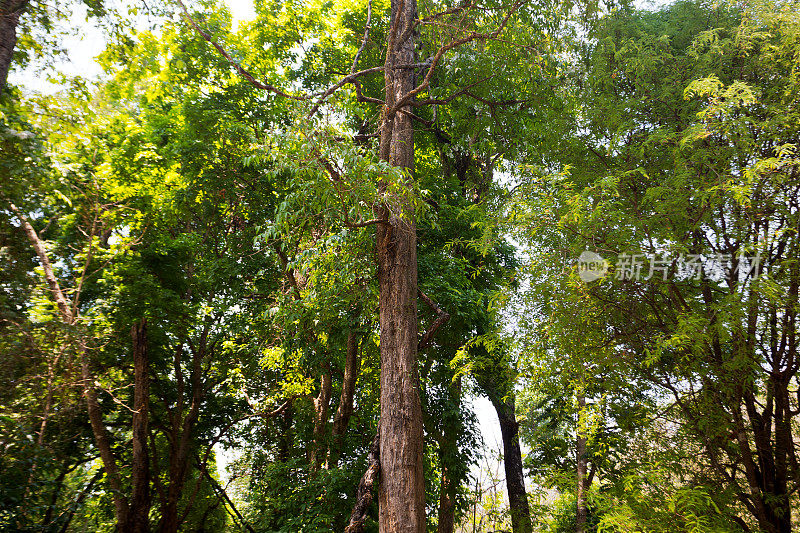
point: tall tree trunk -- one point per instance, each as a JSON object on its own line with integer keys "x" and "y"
{"x": 402, "y": 487}
{"x": 286, "y": 438}
{"x": 138, "y": 514}
{"x": 10, "y": 11}
{"x": 580, "y": 458}
{"x": 512, "y": 460}
{"x": 345, "y": 409}
{"x": 447, "y": 503}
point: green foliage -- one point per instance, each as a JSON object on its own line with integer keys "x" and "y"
{"x": 242, "y": 230}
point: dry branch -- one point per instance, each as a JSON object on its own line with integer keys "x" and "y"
{"x": 441, "y": 317}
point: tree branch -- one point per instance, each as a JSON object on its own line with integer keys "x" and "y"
{"x": 364, "y": 494}
{"x": 350, "y": 78}
{"x": 49, "y": 274}
{"x": 240, "y": 69}
{"x": 364, "y": 39}
{"x": 472, "y": 36}
{"x": 442, "y": 317}
{"x": 224, "y": 495}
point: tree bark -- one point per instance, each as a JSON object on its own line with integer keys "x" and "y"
{"x": 321, "y": 407}
{"x": 580, "y": 459}
{"x": 138, "y": 514}
{"x": 447, "y": 505}
{"x": 364, "y": 494}
{"x": 101, "y": 438}
{"x": 181, "y": 435}
{"x": 345, "y": 409}
{"x": 402, "y": 487}
{"x": 512, "y": 461}
{"x": 10, "y": 11}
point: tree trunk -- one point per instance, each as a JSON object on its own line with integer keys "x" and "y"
{"x": 10, "y": 11}
{"x": 580, "y": 458}
{"x": 286, "y": 438}
{"x": 402, "y": 487}
{"x": 345, "y": 409}
{"x": 138, "y": 514}
{"x": 101, "y": 439}
{"x": 322, "y": 404}
{"x": 447, "y": 503}
{"x": 180, "y": 439}
{"x": 512, "y": 460}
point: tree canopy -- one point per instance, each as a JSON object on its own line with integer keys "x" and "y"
{"x": 257, "y": 279}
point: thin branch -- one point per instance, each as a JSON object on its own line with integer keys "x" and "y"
{"x": 350, "y": 78}
{"x": 460, "y": 92}
{"x": 289, "y": 272}
{"x": 367, "y": 27}
{"x": 430, "y": 18}
{"x": 240, "y": 69}
{"x": 472, "y": 36}
{"x": 47, "y": 267}
{"x": 224, "y": 495}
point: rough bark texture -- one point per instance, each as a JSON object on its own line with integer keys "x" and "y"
{"x": 364, "y": 494}
{"x": 402, "y": 489}
{"x": 345, "y": 409}
{"x": 512, "y": 460}
{"x": 10, "y": 11}
{"x": 138, "y": 514}
{"x": 447, "y": 507}
{"x": 580, "y": 458}
{"x": 322, "y": 404}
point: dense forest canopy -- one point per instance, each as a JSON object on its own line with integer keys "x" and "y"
{"x": 254, "y": 277}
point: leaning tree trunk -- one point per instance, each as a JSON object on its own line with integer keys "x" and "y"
{"x": 402, "y": 489}
{"x": 10, "y": 11}
{"x": 512, "y": 460}
{"x": 345, "y": 409}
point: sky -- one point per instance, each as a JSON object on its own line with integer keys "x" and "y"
{"x": 87, "y": 42}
